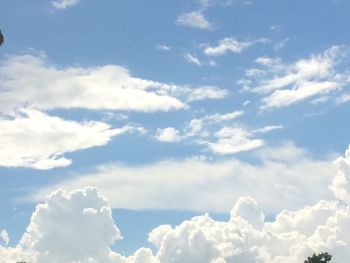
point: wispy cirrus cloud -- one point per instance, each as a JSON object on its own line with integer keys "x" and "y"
{"x": 225, "y": 45}
{"x": 192, "y": 59}
{"x": 282, "y": 84}
{"x": 163, "y": 47}
{"x": 230, "y": 45}
{"x": 218, "y": 133}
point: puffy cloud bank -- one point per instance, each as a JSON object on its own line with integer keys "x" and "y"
{"x": 77, "y": 226}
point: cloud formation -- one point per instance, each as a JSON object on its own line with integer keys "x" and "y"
{"x": 77, "y": 226}
{"x": 168, "y": 135}
{"x": 282, "y": 85}
{"x": 5, "y": 237}
{"x": 283, "y": 176}
{"x": 232, "y": 140}
{"x": 221, "y": 136}
{"x": 63, "y": 4}
{"x": 36, "y": 140}
{"x": 30, "y": 79}
{"x": 195, "y": 19}
{"x": 228, "y": 44}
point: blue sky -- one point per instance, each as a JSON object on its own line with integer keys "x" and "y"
{"x": 171, "y": 108}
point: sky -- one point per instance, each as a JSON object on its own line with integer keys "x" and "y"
{"x": 174, "y": 131}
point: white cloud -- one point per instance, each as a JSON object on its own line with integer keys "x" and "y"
{"x": 285, "y": 97}
{"x": 163, "y": 47}
{"x": 343, "y": 98}
{"x": 200, "y": 126}
{"x": 228, "y": 44}
{"x": 284, "y": 178}
{"x": 232, "y": 140}
{"x": 282, "y": 85}
{"x": 223, "y": 117}
{"x": 32, "y": 80}
{"x": 207, "y": 92}
{"x": 341, "y": 182}
{"x": 214, "y": 132}
{"x": 168, "y": 135}
{"x": 77, "y": 226}
{"x": 63, "y": 4}
{"x": 70, "y": 227}
{"x": 192, "y": 59}
{"x": 268, "y": 129}
{"x": 282, "y": 44}
{"x": 194, "y": 19}
{"x": 36, "y": 140}
{"x": 5, "y": 237}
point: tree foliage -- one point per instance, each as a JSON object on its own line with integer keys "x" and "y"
{"x": 320, "y": 258}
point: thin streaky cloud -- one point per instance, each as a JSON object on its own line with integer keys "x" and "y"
{"x": 192, "y": 59}
{"x": 281, "y": 85}
{"x": 228, "y": 44}
{"x": 163, "y": 47}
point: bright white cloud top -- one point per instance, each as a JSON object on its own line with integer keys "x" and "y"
{"x": 77, "y": 226}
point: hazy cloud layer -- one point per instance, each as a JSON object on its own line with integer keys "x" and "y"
{"x": 283, "y": 178}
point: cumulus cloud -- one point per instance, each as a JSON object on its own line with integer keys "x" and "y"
{"x": 36, "y": 140}
{"x": 168, "y": 135}
{"x": 195, "y": 19}
{"x": 284, "y": 177}
{"x": 70, "y": 227}
{"x": 77, "y": 226}
{"x": 341, "y": 182}
{"x": 63, "y": 4}
{"x": 32, "y": 80}
{"x": 282, "y": 85}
